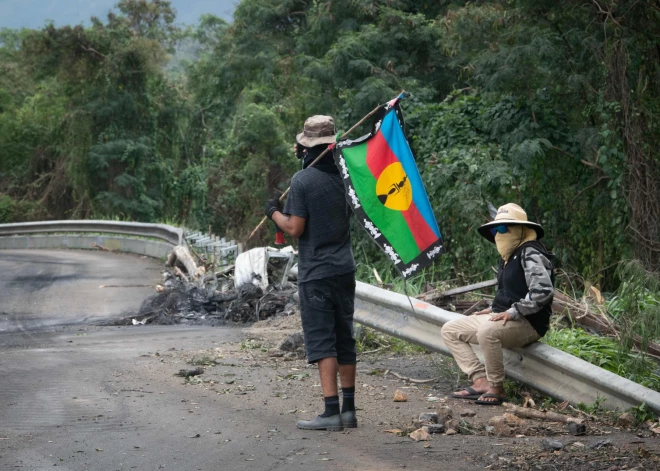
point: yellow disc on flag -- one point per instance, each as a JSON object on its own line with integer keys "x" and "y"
{"x": 393, "y": 188}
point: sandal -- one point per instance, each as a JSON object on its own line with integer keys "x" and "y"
{"x": 473, "y": 394}
{"x": 497, "y": 402}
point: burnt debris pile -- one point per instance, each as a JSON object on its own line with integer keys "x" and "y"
{"x": 184, "y": 303}
{"x": 213, "y": 299}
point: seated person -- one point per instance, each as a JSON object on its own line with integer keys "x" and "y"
{"x": 520, "y": 313}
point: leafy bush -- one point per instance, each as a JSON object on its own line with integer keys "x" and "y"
{"x": 636, "y": 304}
{"x": 7, "y": 209}
{"x": 15, "y": 211}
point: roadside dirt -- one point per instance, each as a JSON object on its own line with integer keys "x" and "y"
{"x": 246, "y": 372}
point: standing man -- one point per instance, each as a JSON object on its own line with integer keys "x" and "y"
{"x": 317, "y": 213}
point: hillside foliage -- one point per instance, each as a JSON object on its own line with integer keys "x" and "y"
{"x": 551, "y": 104}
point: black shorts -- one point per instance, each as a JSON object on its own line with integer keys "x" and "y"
{"x": 326, "y": 309}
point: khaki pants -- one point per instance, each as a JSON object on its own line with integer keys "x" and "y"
{"x": 491, "y": 336}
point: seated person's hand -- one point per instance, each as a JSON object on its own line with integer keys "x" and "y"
{"x": 501, "y": 316}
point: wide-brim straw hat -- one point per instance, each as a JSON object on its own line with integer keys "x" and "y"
{"x": 317, "y": 130}
{"x": 511, "y": 215}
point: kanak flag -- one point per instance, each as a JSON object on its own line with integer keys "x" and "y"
{"x": 386, "y": 193}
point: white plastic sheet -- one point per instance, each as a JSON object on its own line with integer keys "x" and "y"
{"x": 251, "y": 268}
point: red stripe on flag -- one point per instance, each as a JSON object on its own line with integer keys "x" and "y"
{"x": 379, "y": 155}
{"x": 423, "y": 234}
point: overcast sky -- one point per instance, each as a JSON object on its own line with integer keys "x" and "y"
{"x": 34, "y": 13}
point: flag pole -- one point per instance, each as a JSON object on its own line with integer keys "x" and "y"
{"x": 316, "y": 160}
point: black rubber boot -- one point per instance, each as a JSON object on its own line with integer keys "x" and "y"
{"x": 349, "y": 418}
{"x": 332, "y": 423}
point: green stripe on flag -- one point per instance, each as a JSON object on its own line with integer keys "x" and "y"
{"x": 388, "y": 221}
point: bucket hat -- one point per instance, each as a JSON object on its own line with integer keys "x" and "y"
{"x": 317, "y": 130}
{"x": 510, "y": 214}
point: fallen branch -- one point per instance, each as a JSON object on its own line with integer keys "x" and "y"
{"x": 582, "y": 314}
{"x": 537, "y": 414}
{"x": 413, "y": 380}
{"x": 433, "y": 295}
{"x": 468, "y": 288}
{"x": 475, "y": 307}
{"x": 593, "y": 417}
{"x": 372, "y": 351}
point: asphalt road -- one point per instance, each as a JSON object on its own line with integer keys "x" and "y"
{"x": 45, "y": 288}
{"x": 77, "y": 396}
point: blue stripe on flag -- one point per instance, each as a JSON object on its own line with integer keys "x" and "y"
{"x": 394, "y": 136}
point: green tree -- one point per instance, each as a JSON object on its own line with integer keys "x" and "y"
{"x": 101, "y": 131}
{"x": 551, "y": 104}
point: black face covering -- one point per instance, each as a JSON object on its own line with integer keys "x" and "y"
{"x": 307, "y": 155}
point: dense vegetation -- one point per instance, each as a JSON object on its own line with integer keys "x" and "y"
{"x": 551, "y": 104}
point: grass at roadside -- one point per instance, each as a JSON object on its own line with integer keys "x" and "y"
{"x": 371, "y": 340}
{"x": 414, "y": 286}
{"x": 607, "y": 354}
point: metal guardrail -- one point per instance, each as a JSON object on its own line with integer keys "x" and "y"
{"x": 215, "y": 248}
{"x": 547, "y": 369}
{"x": 170, "y": 234}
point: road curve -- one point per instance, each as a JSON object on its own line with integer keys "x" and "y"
{"x": 42, "y": 289}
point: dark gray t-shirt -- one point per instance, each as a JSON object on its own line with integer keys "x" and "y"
{"x": 324, "y": 248}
